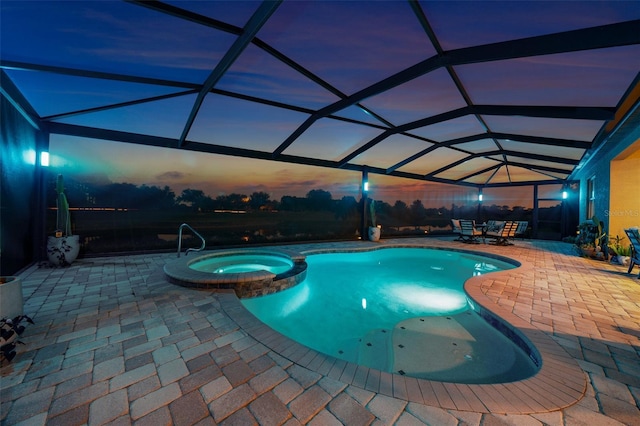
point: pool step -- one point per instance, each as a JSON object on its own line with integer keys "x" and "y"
{"x": 376, "y": 349}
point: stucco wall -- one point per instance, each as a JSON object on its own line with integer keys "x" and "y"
{"x": 624, "y": 204}
{"x": 625, "y": 178}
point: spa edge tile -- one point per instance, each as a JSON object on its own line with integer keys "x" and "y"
{"x": 296, "y": 351}
{"x": 490, "y": 398}
{"x": 456, "y": 396}
{"x": 517, "y": 403}
{"x": 348, "y": 373}
{"x": 337, "y": 369}
{"x": 399, "y": 387}
{"x": 414, "y": 394}
{"x": 442, "y": 396}
{"x": 475, "y": 404}
{"x": 388, "y": 384}
{"x": 326, "y": 365}
{"x": 307, "y": 358}
{"x": 373, "y": 381}
{"x": 554, "y": 397}
{"x": 536, "y": 399}
{"x": 555, "y": 378}
{"x": 428, "y": 393}
{"x": 360, "y": 376}
{"x": 316, "y": 362}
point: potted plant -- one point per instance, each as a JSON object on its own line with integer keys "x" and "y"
{"x": 63, "y": 247}
{"x": 11, "y": 302}
{"x": 11, "y": 315}
{"x": 622, "y": 252}
{"x": 591, "y": 240}
{"x": 10, "y": 330}
{"x": 374, "y": 229}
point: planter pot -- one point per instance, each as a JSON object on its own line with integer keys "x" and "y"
{"x": 588, "y": 252}
{"x": 620, "y": 260}
{"x": 374, "y": 233}
{"x": 62, "y": 251}
{"x": 592, "y": 253}
{"x": 10, "y": 297}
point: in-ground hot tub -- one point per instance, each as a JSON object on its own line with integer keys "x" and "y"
{"x": 241, "y": 263}
{"x": 249, "y": 273}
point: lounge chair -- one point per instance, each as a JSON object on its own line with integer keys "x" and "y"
{"x": 503, "y": 234}
{"x": 522, "y": 228}
{"x": 634, "y": 237}
{"x": 469, "y": 233}
{"x": 455, "y": 224}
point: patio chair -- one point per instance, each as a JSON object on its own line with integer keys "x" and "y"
{"x": 469, "y": 233}
{"x": 634, "y": 237}
{"x": 455, "y": 224}
{"x": 522, "y": 228}
{"x": 504, "y": 234}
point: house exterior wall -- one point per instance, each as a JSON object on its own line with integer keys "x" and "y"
{"x": 607, "y": 179}
{"x": 624, "y": 205}
{"x": 19, "y": 185}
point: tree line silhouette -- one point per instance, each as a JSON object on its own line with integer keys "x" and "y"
{"x": 128, "y": 196}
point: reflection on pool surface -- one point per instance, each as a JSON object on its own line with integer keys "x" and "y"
{"x": 400, "y": 310}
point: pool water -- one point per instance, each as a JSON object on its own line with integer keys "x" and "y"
{"x": 241, "y": 263}
{"x": 399, "y": 310}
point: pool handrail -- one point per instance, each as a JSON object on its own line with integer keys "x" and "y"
{"x": 184, "y": 225}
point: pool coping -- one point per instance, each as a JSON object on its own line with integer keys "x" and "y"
{"x": 559, "y": 383}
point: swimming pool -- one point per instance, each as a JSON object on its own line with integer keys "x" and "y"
{"x": 400, "y": 310}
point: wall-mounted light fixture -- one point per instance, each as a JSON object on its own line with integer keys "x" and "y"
{"x": 565, "y": 194}
{"x": 44, "y": 159}
{"x": 480, "y": 195}
{"x": 365, "y": 181}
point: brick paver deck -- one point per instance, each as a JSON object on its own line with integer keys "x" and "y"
{"x": 115, "y": 343}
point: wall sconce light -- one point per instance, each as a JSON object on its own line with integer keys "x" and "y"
{"x": 44, "y": 159}
{"x": 565, "y": 195}
{"x": 365, "y": 186}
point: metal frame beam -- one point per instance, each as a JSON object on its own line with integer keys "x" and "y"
{"x": 612, "y": 35}
{"x": 257, "y": 20}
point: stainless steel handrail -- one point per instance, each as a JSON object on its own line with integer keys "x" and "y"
{"x": 184, "y": 225}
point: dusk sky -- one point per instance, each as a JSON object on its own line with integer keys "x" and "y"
{"x": 350, "y": 45}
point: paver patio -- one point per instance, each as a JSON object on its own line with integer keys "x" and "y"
{"x": 115, "y": 343}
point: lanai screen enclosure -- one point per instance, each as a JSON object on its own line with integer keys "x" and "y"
{"x": 213, "y": 105}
